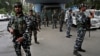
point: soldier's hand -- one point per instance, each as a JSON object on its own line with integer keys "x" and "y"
{"x": 11, "y": 30}
{"x": 20, "y": 39}
{"x": 91, "y": 16}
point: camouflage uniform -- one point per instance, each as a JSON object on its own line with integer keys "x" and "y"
{"x": 34, "y": 26}
{"x": 46, "y": 19}
{"x": 29, "y": 22}
{"x": 62, "y": 17}
{"x": 69, "y": 24}
{"x": 54, "y": 20}
{"x": 42, "y": 17}
{"x": 38, "y": 20}
{"x": 81, "y": 29}
{"x": 19, "y": 25}
{"x": 49, "y": 14}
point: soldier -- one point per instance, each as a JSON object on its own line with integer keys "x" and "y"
{"x": 46, "y": 19}
{"x": 17, "y": 26}
{"x": 38, "y": 20}
{"x": 69, "y": 23}
{"x": 54, "y": 19}
{"x": 81, "y": 29}
{"x": 42, "y": 17}
{"x": 49, "y": 16}
{"x": 61, "y": 17}
{"x": 34, "y": 25}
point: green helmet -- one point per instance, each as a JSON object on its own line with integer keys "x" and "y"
{"x": 19, "y": 4}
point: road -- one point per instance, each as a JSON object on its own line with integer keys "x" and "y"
{"x": 52, "y": 42}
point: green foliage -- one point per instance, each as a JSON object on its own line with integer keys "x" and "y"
{"x": 96, "y": 3}
{"x": 2, "y": 11}
{"x": 6, "y": 5}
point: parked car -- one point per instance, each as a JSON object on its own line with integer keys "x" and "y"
{"x": 95, "y": 22}
{"x": 3, "y": 17}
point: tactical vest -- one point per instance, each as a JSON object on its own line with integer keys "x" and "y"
{"x": 82, "y": 20}
{"x": 34, "y": 23}
{"x": 19, "y": 25}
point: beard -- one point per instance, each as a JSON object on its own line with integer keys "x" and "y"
{"x": 20, "y": 12}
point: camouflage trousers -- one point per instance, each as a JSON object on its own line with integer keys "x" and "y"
{"x": 68, "y": 28}
{"x": 54, "y": 24}
{"x": 79, "y": 40}
{"x": 46, "y": 23}
{"x": 35, "y": 35}
{"x": 29, "y": 37}
{"x": 61, "y": 25}
{"x": 26, "y": 48}
{"x": 39, "y": 24}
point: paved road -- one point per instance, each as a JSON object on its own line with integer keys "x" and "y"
{"x": 52, "y": 43}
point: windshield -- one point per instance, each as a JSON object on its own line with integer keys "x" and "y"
{"x": 97, "y": 13}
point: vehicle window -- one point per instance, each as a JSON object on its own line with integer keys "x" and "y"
{"x": 97, "y": 13}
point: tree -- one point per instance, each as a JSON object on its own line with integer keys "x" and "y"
{"x": 7, "y": 5}
{"x": 90, "y": 3}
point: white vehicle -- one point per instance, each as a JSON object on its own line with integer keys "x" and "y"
{"x": 74, "y": 18}
{"x": 3, "y": 17}
{"x": 66, "y": 16}
{"x": 97, "y": 16}
{"x": 95, "y": 22}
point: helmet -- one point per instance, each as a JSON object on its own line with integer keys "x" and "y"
{"x": 19, "y": 4}
{"x": 82, "y": 5}
{"x": 70, "y": 10}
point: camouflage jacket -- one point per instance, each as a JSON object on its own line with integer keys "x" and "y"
{"x": 81, "y": 19}
{"x": 34, "y": 22}
{"x": 54, "y": 16}
{"x": 62, "y": 16}
{"x": 19, "y": 25}
{"x": 69, "y": 18}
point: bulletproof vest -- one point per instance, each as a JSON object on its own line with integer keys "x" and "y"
{"x": 82, "y": 20}
{"x": 19, "y": 25}
{"x": 45, "y": 15}
{"x": 62, "y": 16}
{"x": 70, "y": 17}
{"x": 33, "y": 22}
{"x": 29, "y": 24}
{"x": 55, "y": 16}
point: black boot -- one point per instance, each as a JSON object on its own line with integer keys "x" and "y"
{"x": 76, "y": 53}
{"x": 61, "y": 30}
{"x": 37, "y": 42}
{"x": 68, "y": 36}
{"x": 35, "y": 39}
{"x": 81, "y": 50}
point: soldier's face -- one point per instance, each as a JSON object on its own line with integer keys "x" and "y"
{"x": 18, "y": 9}
{"x": 84, "y": 8}
{"x": 31, "y": 13}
